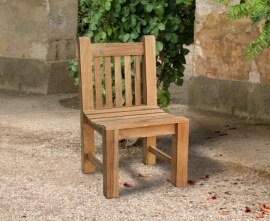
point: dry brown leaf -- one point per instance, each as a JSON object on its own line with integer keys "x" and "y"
{"x": 265, "y": 209}
{"x": 259, "y": 216}
{"x": 224, "y": 212}
{"x": 143, "y": 175}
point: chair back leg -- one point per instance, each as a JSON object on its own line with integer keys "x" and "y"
{"x": 148, "y": 158}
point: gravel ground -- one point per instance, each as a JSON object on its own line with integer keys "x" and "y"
{"x": 41, "y": 179}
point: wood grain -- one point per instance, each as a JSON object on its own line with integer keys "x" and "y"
{"x": 108, "y": 82}
{"x": 118, "y": 81}
{"x": 111, "y": 164}
{"x": 180, "y": 154}
{"x": 128, "y": 89}
{"x": 98, "y": 83}
{"x": 137, "y": 79}
{"x": 118, "y": 49}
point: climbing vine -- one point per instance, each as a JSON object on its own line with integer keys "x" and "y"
{"x": 257, "y": 11}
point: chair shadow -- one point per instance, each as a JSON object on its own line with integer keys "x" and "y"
{"x": 198, "y": 167}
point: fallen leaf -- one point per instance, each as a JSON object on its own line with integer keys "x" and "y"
{"x": 212, "y": 197}
{"x": 260, "y": 215}
{"x": 206, "y": 177}
{"x": 224, "y": 212}
{"x": 227, "y": 193}
{"x": 247, "y": 210}
{"x": 265, "y": 209}
{"x": 143, "y": 175}
{"x": 223, "y": 134}
{"x": 127, "y": 185}
{"x": 191, "y": 182}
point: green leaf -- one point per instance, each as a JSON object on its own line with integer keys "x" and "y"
{"x": 159, "y": 46}
{"x": 159, "y": 10}
{"x": 134, "y": 35}
{"x": 161, "y": 26}
{"x": 126, "y": 37}
{"x": 149, "y": 7}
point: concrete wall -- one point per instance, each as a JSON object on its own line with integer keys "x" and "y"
{"x": 222, "y": 80}
{"x": 37, "y": 38}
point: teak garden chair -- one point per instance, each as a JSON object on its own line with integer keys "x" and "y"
{"x": 138, "y": 117}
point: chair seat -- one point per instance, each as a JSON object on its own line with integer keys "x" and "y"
{"x": 131, "y": 117}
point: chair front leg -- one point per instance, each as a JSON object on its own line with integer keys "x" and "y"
{"x": 110, "y": 164}
{"x": 87, "y": 145}
{"x": 179, "y": 163}
{"x": 148, "y": 158}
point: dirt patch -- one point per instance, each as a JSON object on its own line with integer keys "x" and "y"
{"x": 73, "y": 102}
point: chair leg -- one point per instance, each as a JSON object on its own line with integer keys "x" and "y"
{"x": 148, "y": 158}
{"x": 179, "y": 165}
{"x": 88, "y": 146}
{"x": 110, "y": 164}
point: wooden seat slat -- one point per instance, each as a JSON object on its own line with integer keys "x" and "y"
{"x": 127, "y": 113}
{"x": 116, "y": 118}
{"x": 120, "y": 109}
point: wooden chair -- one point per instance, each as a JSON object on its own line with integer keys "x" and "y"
{"x": 139, "y": 117}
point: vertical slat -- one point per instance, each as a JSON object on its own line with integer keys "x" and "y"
{"x": 98, "y": 83}
{"x": 110, "y": 164}
{"x": 118, "y": 81}
{"x": 137, "y": 70}
{"x": 108, "y": 82}
{"x": 148, "y": 158}
{"x": 149, "y": 71}
{"x": 180, "y": 154}
{"x": 128, "y": 91}
{"x": 85, "y": 70}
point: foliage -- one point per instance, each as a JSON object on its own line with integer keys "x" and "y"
{"x": 170, "y": 21}
{"x": 257, "y": 11}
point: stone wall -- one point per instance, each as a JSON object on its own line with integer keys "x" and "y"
{"x": 222, "y": 80}
{"x": 37, "y": 38}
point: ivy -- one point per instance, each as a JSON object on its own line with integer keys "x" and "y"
{"x": 257, "y": 11}
{"x": 170, "y": 21}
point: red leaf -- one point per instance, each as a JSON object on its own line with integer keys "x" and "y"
{"x": 260, "y": 215}
{"x": 191, "y": 182}
{"x": 213, "y": 197}
{"x": 127, "y": 185}
{"x": 247, "y": 210}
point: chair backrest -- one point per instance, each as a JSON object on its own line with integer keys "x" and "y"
{"x": 105, "y": 63}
